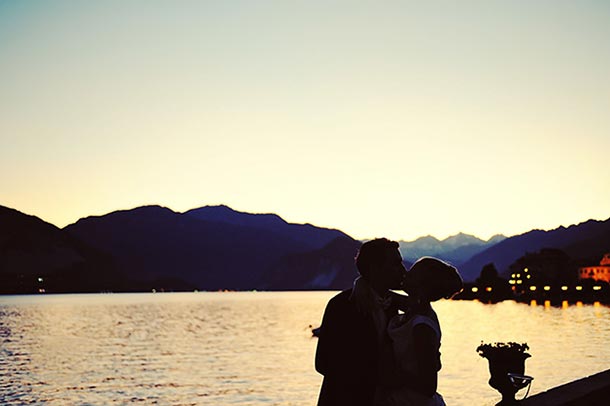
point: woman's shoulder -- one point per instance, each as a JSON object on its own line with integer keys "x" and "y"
{"x": 426, "y": 320}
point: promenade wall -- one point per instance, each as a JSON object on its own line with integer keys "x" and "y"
{"x": 592, "y": 390}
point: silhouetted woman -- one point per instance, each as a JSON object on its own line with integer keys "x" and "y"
{"x": 416, "y": 335}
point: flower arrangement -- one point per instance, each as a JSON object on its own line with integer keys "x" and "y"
{"x": 503, "y": 350}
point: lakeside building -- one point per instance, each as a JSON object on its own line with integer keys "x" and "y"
{"x": 548, "y": 267}
{"x": 599, "y": 272}
{"x": 549, "y": 276}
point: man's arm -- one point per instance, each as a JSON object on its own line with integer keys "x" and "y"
{"x": 340, "y": 351}
{"x": 327, "y": 340}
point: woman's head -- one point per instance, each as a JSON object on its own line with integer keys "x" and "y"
{"x": 432, "y": 279}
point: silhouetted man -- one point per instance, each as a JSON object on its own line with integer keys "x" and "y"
{"x": 354, "y": 328}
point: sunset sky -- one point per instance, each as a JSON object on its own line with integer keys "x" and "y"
{"x": 380, "y": 118}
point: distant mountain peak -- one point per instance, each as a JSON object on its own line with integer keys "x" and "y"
{"x": 461, "y": 238}
{"x": 149, "y": 208}
{"x": 427, "y": 238}
{"x": 226, "y": 214}
{"x": 496, "y": 238}
{"x": 456, "y": 249}
{"x": 140, "y": 211}
{"x": 308, "y": 234}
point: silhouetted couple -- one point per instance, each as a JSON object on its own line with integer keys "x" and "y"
{"x": 370, "y": 354}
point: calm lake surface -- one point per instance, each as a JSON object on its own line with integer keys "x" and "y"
{"x": 254, "y": 348}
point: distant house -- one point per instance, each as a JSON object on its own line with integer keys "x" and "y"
{"x": 599, "y": 272}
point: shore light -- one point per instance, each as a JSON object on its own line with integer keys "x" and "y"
{"x": 488, "y": 288}
{"x": 525, "y": 270}
{"x": 512, "y": 281}
{"x": 597, "y": 288}
{"x": 529, "y": 276}
{"x": 564, "y": 288}
{"x": 532, "y": 288}
{"x": 474, "y": 289}
{"x": 547, "y": 288}
{"x": 578, "y": 287}
{"x": 519, "y": 282}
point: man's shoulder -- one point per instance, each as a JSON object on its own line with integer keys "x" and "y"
{"x": 341, "y": 301}
{"x": 341, "y": 297}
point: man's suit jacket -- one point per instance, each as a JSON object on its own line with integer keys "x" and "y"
{"x": 348, "y": 354}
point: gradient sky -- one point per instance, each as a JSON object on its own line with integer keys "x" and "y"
{"x": 380, "y": 118}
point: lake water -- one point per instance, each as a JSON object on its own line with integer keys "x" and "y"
{"x": 253, "y": 348}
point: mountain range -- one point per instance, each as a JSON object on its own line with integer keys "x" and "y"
{"x": 587, "y": 241}
{"x": 213, "y": 247}
{"x": 216, "y": 247}
{"x": 456, "y": 249}
{"x": 153, "y": 247}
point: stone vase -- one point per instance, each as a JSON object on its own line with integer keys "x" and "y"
{"x": 499, "y": 368}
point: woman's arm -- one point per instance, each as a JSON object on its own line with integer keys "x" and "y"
{"x": 428, "y": 359}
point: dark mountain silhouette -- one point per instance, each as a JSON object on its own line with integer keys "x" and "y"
{"x": 307, "y": 234}
{"x": 330, "y": 267}
{"x": 215, "y": 247}
{"x": 156, "y": 243}
{"x": 588, "y": 240}
{"x": 206, "y": 249}
{"x": 37, "y": 255}
{"x": 456, "y": 249}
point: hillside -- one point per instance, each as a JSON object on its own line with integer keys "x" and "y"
{"x": 588, "y": 240}
{"x": 37, "y": 255}
{"x": 331, "y": 267}
{"x": 207, "y": 248}
{"x": 216, "y": 247}
{"x": 307, "y": 234}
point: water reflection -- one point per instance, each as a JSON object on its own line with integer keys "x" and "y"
{"x": 253, "y": 348}
{"x": 171, "y": 349}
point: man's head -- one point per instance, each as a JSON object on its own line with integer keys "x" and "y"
{"x": 380, "y": 263}
{"x": 432, "y": 279}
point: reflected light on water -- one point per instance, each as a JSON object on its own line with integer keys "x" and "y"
{"x": 254, "y": 348}
{"x": 566, "y": 343}
{"x": 203, "y": 348}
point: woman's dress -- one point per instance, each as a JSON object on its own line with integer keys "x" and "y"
{"x": 400, "y": 330}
